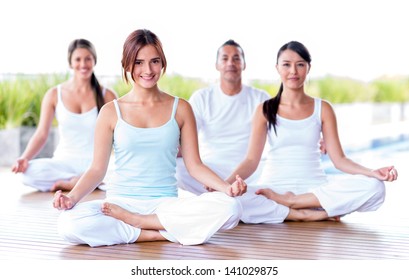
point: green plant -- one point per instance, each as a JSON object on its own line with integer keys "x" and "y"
{"x": 172, "y": 84}
{"x": 271, "y": 88}
{"x": 342, "y": 90}
{"x": 391, "y": 90}
{"x": 21, "y": 95}
{"x": 179, "y": 86}
{"x": 120, "y": 87}
{"x": 20, "y": 98}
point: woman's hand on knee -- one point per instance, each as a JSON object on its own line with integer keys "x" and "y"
{"x": 62, "y": 201}
{"x": 21, "y": 165}
{"x": 239, "y": 187}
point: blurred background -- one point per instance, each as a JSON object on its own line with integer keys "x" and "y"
{"x": 359, "y": 54}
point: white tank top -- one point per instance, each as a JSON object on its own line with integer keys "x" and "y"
{"x": 294, "y": 157}
{"x": 76, "y": 131}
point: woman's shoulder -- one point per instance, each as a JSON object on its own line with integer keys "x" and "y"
{"x": 108, "y": 106}
{"x": 260, "y": 107}
{"x": 50, "y": 95}
{"x": 53, "y": 90}
{"x": 326, "y": 109}
{"x": 109, "y": 94}
{"x": 184, "y": 109}
{"x": 325, "y": 104}
{"x": 108, "y": 113}
{"x": 183, "y": 101}
{"x": 183, "y": 104}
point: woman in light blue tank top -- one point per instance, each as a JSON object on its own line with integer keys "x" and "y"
{"x": 145, "y": 127}
{"x": 293, "y": 122}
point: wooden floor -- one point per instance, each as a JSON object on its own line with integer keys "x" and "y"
{"x": 28, "y": 231}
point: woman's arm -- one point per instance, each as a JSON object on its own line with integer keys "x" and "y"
{"x": 190, "y": 150}
{"x": 40, "y": 136}
{"x": 104, "y": 132}
{"x": 255, "y": 149}
{"x": 337, "y": 155}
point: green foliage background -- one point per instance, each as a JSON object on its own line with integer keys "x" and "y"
{"x": 21, "y": 95}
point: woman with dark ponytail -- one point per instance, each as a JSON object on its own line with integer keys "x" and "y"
{"x": 75, "y": 104}
{"x": 293, "y": 123}
{"x": 270, "y": 108}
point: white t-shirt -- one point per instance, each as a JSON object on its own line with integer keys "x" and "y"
{"x": 224, "y": 124}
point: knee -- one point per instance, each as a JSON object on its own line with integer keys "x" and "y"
{"x": 31, "y": 180}
{"x": 234, "y": 208}
{"x": 377, "y": 191}
{"x": 232, "y": 212}
{"x": 35, "y": 179}
{"x": 78, "y": 226}
{"x": 64, "y": 226}
{"x": 238, "y": 208}
{"x": 67, "y": 229}
{"x": 377, "y": 188}
{"x": 28, "y": 177}
{"x": 230, "y": 206}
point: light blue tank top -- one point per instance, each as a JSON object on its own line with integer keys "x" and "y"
{"x": 145, "y": 159}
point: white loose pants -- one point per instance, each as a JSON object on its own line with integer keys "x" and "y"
{"x": 188, "y": 221}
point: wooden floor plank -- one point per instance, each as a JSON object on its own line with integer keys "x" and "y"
{"x": 28, "y": 230}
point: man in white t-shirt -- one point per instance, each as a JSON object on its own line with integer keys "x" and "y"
{"x": 223, "y": 114}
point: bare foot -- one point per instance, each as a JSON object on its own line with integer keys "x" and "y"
{"x": 150, "y": 235}
{"x": 284, "y": 199}
{"x": 310, "y": 215}
{"x": 306, "y": 215}
{"x": 334, "y": 219}
{"x": 147, "y": 221}
{"x": 121, "y": 214}
{"x": 64, "y": 185}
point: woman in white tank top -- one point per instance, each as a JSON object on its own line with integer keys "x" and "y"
{"x": 293, "y": 122}
{"x": 75, "y": 105}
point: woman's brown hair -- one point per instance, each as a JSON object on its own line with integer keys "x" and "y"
{"x": 135, "y": 41}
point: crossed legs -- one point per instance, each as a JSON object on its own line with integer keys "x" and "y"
{"x": 149, "y": 224}
{"x": 300, "y": 205}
